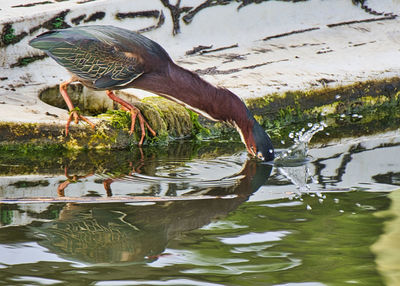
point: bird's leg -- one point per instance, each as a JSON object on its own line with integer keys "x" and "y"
{"x": 135, "y": 112}
{"x": 73, "y": 112}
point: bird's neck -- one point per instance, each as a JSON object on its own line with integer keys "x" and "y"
{"x": 188, "y": 89}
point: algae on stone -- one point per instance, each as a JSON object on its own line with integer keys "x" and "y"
{"x": 356, "y": 104}
{"x": 357, "y": 109}
{"x": 177, "y": 119}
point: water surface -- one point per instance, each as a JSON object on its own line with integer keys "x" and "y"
{"x": 204, "y": 214}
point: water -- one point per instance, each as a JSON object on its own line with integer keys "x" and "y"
{"x": 298, "y": 152}
{"x": 205, "y": 214}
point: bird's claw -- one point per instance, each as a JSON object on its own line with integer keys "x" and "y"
{"x": 135, "y": 112}
{"x": 74, "y": 114}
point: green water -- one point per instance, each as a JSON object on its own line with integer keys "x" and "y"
{"x": 229, "y": 220}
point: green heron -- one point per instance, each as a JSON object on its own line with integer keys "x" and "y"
{"x": 110, "y": 58}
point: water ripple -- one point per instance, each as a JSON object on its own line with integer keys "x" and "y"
{"x": 252, "y": 237}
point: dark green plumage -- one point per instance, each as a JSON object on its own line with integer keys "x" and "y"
{"x": 104, "y": 56}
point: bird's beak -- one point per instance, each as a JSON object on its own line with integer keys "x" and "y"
{"x": 260, "y": 156}
{"x": 251, "y": 151}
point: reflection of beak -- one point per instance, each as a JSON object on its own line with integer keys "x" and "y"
{"x": 260, "y": 156}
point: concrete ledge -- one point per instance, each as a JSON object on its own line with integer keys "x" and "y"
{"x": 350, "y": 111}
{"x": 168, "y": 119}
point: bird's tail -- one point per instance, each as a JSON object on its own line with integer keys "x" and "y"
{"x": 46, "y": 40}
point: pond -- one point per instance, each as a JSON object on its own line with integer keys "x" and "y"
{"x": 202, "y": 213}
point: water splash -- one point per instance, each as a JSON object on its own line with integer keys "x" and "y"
{"x": 298, "y": 176}
{"x": 291, "y": 163}
{"x": 297, "y": 153}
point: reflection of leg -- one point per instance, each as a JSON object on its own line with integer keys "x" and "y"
{"x": 107, "y": 186}
{"x": 107, "y": 182}
{"x": 63, "y": 185}
{"x": 137, "y": 168}
{"x": 61, "y": 188}
{"x": 73, "y": 112}
{"x": 70, "y": 179}
{"x": 135, "y": 112}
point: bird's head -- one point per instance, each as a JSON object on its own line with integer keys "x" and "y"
{"x": 257, "y": 141}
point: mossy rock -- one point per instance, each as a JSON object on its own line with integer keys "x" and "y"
{"x": 358, "y": 109}
{"x": 176, "y": 118}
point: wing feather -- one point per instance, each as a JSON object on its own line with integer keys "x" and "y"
{"x": 95, "y": 58}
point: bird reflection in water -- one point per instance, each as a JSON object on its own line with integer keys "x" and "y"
{"x": 135, "y": 167}
{"x": 127, "y": 233}
{"x": 70, "y": 180}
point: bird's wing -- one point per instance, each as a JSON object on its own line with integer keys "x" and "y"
{"x": 91, "y": 57}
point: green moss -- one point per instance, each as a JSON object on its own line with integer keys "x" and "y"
{"x": 306, "y": 100}
{"x": 6, "y": 216}
{"x": 359, "y": 109}
{"x": 18, "y": 158}
{"x": 102, "y": 161}
{"x": 151, "y": 113}
{"x": 120, "y": 119}
{"x": 58, "y": 23}
{"x": 120, "y": 123}
{"x": 199, "y": 131}
{"x": 176, "y": 119}
{"x": 33, "y": 149}
{"x": 357, "y": 104}
{"x": 9, "y": 36}
{"x": 24, "y": 61}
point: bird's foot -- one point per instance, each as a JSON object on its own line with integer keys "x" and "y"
{"x": 74, "y": 114}
{"x": 135, "y": 113}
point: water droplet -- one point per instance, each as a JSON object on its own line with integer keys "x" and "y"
{"x": 336, "y": 200}
{"x": 282, "y": 141}
{"x": 298, "y": 152}
{"x": 309, "y": 207}
{"x": 341, "y": 211}
{"x": 337, "y": 96}
{"x": 342, "y": 115}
